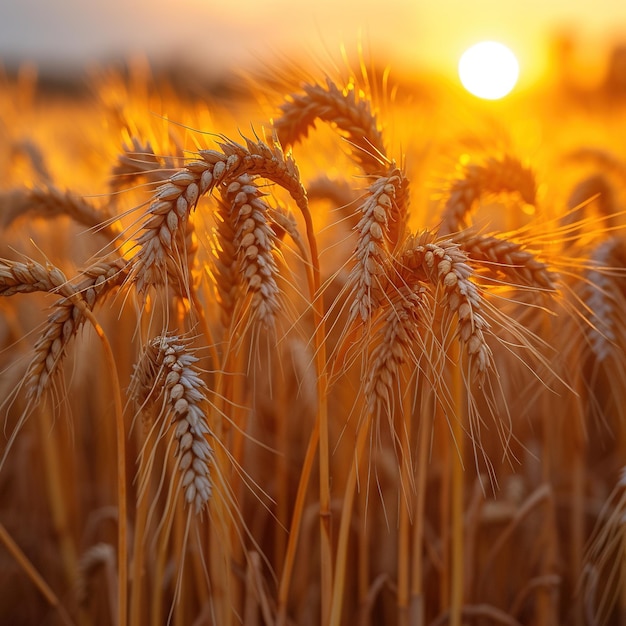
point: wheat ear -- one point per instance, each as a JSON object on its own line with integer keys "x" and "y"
{"x": 505, "y": 260}
{"x": 345, "y": 110}
{"x": 52, "y": 202}
{"x": 63, "y": 323}
{"x": 398, "y": 334}
{"x": 506, "y": 174}
{"x": 591, "y": 205}
{"x": 337, "y": 191}
{"x": 162, "y": 247}
{"x": 284, "y": 223}
{"x": 245, "y": 248}
{"x": 354, "y": 117}
{"x": 606, "y": 289}
{"x": 441, "y": 262}
{"x": 29, "y": 277}
{"x": 139, "y": 161}
{"x": 373, "y": 247}
{"x": 166, "y": 371}
{"x": 594, "y": 186}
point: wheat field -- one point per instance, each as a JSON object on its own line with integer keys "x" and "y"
{"x": 316, "y": 347}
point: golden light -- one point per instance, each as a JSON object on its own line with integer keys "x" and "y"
{"x": 488, "y": 70}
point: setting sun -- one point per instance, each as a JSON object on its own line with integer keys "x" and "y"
{"x": 488, "y": 70}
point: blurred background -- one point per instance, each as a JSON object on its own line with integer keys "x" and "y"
{"x": 64, "y": 35}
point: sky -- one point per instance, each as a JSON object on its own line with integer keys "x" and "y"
{"x": 214, "y": 35}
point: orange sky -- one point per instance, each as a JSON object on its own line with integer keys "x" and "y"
{"x": 431, "y": 32}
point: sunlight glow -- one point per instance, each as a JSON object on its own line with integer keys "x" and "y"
{"x": 488, "y": 70}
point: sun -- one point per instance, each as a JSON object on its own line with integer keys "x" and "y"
{"x": 488, "y": 70}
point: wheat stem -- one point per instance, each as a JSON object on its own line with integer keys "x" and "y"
{"x": 457, "y": 508}
{"x": 318, "y": 436}
{"x": 417, "y": 556}
{"x": 344, "y": 524}
{"x": 56, "y": 498}
{"x": 296, "y": 525}
{"x": 121, "y": 470}
{"x": 138, "y": 562}
{"x": 34, "y": 575}
{"x": 364, "y": 546}
{"x": 404, "y": 525}
{"x": 445, "y": 499}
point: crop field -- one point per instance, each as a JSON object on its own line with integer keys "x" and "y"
{"x": 337, "y": 345}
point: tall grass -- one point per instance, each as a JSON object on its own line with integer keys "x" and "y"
{"x": 325, "y": 369}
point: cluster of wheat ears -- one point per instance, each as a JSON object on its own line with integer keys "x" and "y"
{"x": 251, "y": 383}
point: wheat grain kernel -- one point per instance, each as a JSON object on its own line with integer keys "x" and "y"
{"x": 185, "y": 442}
{"x": 182, "y": 207}
{"x": 376, "y": 231}
{"x": 192, "y": 193}
{"x": 182, "y": 427}
{"x": 165, "y": 235}
{"x": 167, "y": 192}
{"x": 247, "y": 240}
{"x": 181, "y": 406}
{"x": 172, "y": 219}
{"x": 451, "y": 280}
{"x": 182, "y": 178}
{"x": 465, "y": 311}
{"x": 219, "y": 169}
{"x": 206, "y": 180}
{"x": 186, "y": 458}
{"x": 177, "y": 391}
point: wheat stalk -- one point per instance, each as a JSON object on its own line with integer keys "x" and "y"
{"x": 36, "y": 158}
